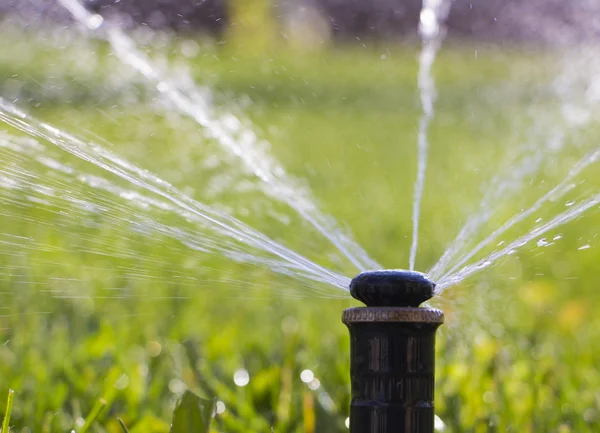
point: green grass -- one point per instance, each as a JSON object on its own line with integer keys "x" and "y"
{"x": 520, "y": 349}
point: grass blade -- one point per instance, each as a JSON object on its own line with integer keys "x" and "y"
{"x": 123, "y": 426}
{"x": 9, "y": 404}
{"x": 100, "y": 404}
{"x": 192, "y": 414}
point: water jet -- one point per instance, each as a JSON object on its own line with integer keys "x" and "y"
{"x": 392, "y": 352}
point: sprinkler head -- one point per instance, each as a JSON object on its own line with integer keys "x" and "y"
{"x": 392, "y": 288}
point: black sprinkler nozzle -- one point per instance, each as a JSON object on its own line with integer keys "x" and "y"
{"x": 392, "y": 349}
{"x": 392, "y": 288}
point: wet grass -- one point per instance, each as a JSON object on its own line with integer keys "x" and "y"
{"x": 82, "y": 323}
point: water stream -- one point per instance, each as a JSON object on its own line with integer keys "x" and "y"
{"x": 547, "y": 139}
{"x": 554, "y": 194}
{"x": 562, "y": 218}
{"x": 213, "y": 232}
{"x": 222, "y": 225}
{"x": 431, "y": 27}
{"x": 228, "y": 130}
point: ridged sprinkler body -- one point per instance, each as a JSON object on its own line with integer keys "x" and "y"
{"x": 392, "y": 347}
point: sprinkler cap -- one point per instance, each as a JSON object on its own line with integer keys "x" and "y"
{"x": 392, "y": 288}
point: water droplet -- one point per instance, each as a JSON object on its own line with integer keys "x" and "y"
{"x": 94, "y": 21}
{"x": 347, "y": 422}
{"x": 590, "y": 415}
{"x": 584, "y": 247}
{"x": 122, "y": 382}
{"x": 543, "y": 243}
{"x": 488, "y": 397}
{"x": 154, "y": 349}
{"x": 220, "y": 407}
{"x": 307, "y": 376}
{"x": 314, "y": 384}
{"x": 190, "y": 48}
{"x": 439, "y": 425}
{"x": 241, "y": 377}
{"x": 176, "y": 386}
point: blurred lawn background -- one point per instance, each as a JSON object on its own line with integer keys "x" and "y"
{"x": 520, "y": 350}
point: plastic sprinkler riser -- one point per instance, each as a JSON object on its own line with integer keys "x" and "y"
{"x": 392, "y": 353}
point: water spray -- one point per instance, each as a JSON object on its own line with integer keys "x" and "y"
{"x": 392, "y": 352}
